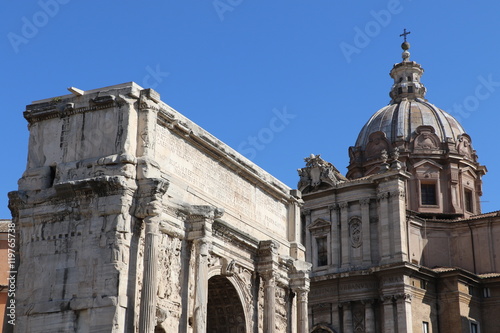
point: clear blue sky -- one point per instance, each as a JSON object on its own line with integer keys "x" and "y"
{"x": 232, "y": 65}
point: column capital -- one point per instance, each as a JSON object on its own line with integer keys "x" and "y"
{"x": 200, "y": 220}
{"x": 386, "y": 299}
{"x": 343, "y": 205}
{"x": 403, "y": 297}
{"x": 346, "y": 305}
{"x": 382, "y": 195}
{"x": 334, "y": 206}
{"x": 398, "y": 193}
{"x": 369, "y": 302}
{"x": 364, "y": 202}
{"x": 149, "y": 197}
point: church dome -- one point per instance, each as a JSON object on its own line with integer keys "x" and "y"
{"x": 428, "y": 144}
{"x": 399, "y": 122}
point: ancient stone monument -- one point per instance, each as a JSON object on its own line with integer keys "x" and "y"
{"x": 132, "y": 218}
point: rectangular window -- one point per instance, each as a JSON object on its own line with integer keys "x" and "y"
{"x": 468, "y": 201}
{"x": 423, "y": 284}
{"x": 486, "y": 292}
{"x": 428, "y": 194}
{"x": 471, "y": 290}
{"x": 474, "y": 328}
{"x": 425, "y": 327}
{"x": 322, "y": 251}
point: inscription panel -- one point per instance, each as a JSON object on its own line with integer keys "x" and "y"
{"x": 223, "y": 186}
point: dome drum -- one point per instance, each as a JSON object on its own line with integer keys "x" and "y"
{"x": 427, "y": 142}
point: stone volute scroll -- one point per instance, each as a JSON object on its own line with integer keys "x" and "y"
{"x": 318, "y": 173}
{"x": 149, "y": 208}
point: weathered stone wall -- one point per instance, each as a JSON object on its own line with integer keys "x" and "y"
{"x": 132, "y": 218}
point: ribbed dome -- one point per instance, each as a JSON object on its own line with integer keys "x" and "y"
{"x": 399, "y": 121}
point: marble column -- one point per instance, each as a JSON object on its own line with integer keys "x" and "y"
{"x": 403, "y": 305}
{"x": 347, "y": 315}
{"x": 201, "y": 286}
{"x": 147, "y": 311}
{"x": 369, "y": 316}
{"x": 302, "y": 318}
{"x": 388, "y": 308}
{"x": 149, "y": 209}
{"x": 269, "y": 302}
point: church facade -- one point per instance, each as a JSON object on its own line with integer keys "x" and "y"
{"x": 131, "y": 218}
{"x": 399, "y": 244}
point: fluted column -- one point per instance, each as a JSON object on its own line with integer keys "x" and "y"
{"x": 201, "y": 286}
{"x": 269, "y": 302}
{"x": 149, "y": 208}
{"x": 347, "y": 313}
{"x": 149, "y": 286}
{"x": 302, "y": 318}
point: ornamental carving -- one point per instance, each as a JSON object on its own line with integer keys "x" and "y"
{"x": 358, "y": 319}
{"x": 316, "y": 173}
{"x": 320, "y": 227}
{"x": 355, "y": 232}
{"x": 377, "y": 142}
{"x": 426, "y": 138}
{"x": 464, "y": 146}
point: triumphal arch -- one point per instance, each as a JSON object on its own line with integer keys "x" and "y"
{"x": 131, "y": 218}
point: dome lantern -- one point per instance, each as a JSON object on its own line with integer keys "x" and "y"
{"x": 430, "y": 143}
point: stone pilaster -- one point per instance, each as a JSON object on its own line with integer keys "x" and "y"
{"x": 300, "y": 286}
{"x": 146, "y": 129}
{"x": 398, "y": 210}
{"x": 388, "y": 310}
{"x": 369, "y": 316}
{"x": 347, "y": 315}
{"x": 149, "y": 208}
{"x": 403, "y": 306}
{"x": 200, "y": 220}
{"x": 384, "y": 226}
{"x": 365, "y": 220}
{"x": 268, "y": 265}
{"x": 308, "y": 238}
{"x": 201, "y": 286}
{"x": 344, "y": 230}
{"x": 335, "y": 235}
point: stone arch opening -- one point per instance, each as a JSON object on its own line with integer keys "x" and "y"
{"x": 322, "y": 329}
{"x": 225, "y": 312}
